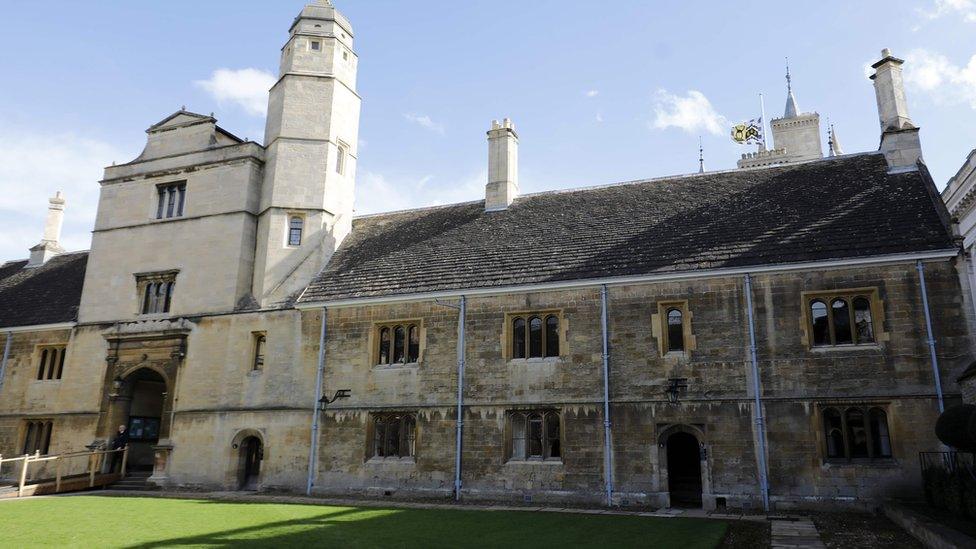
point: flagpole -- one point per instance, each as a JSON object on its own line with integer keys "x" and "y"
{"x": 762, "y": 120}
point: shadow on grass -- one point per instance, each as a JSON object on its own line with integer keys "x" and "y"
{"x": 429, "y": 528}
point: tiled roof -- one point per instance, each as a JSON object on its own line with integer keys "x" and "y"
{"x": 47, "y": 294}
{"x": 843, "y": 207}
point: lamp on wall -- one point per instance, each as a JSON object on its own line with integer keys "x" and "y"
{"x": 325, "y": 401}
{"x": 676, "y": 386}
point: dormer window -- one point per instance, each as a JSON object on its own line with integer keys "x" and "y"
{"x": 170, "y": 200}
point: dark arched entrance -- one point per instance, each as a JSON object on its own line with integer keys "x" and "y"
{"x": 684, "y": 470}
{"x": 141, "y": 398}
{"x": 251, "y": 453}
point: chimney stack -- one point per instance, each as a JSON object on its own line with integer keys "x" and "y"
{"x": 502, "y": 187}
{"x": 899, "y": 135}
{"x": 50, "y": 243}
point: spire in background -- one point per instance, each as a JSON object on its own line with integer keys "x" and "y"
{"x": 791, "y": 108}
{"x": 701, "y": 156}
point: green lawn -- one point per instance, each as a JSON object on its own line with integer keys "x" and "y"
{"x": 92, "y": 521}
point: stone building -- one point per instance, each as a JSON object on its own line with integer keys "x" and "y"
{"x": 783, "y": 333}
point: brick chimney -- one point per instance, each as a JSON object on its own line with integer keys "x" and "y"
{"x": 899, "y": 135}
{"x": 50, "y": 245}
{"x": 502, "y": 187}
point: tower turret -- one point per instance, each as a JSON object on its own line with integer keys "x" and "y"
{"x": 797, "y": 133}
{"x": 311, "y": 135}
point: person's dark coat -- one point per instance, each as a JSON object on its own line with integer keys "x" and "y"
{"x": 120, "y": 440}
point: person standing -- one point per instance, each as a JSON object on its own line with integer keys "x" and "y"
{"x": 120, "y": 441}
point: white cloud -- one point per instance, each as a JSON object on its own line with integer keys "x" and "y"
{"x": 424, "y": 121}
{"x": 376, "y": 193}
{"x": 933, "y": 74}
{"x": 599, "y": 117}
{"x": 964, "y": 9}
{"x": 246, "y": 88}
{"x": 692, "y": 113}
{"x": 592, "y": 93}
{"x": 33, "y": 167}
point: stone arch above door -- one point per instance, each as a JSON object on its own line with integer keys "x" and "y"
{"x": 698, "y": 431}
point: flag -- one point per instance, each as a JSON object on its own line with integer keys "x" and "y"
{"x": 748, "y": 133}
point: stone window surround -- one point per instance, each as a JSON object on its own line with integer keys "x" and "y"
{"x": 506, "y": 336}
{"x": 154, "y": 203}
{"x": 508, "y": 442}
{"x": 46, "y": 426}
{"x": 374, "y": 342}
{"x": 49, "y": 373}
{"x": 289, "y": 215}
{"x": 842, "y": 406}
{"x": 371, "y": 457}
{"x": 257, "y": 361}
{"x": 342, "y": 157}
{"x": 146, "y": 278}
{"x": 877, "y": 318}
{"x": 659, "y": 327}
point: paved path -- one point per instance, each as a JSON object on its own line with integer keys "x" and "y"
{"x": 794, "y": 532}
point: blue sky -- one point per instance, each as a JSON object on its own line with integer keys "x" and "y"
{"x": 599, "y": 92}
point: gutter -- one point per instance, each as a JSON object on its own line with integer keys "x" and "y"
{"x": 930, "y": 339}
{"x": 314, "y": 444}
{"x": 636, "y": 279}
{"x": 40, "y": 327}
{"x": 607, "y": 455}
{"x": 757, "y": 404}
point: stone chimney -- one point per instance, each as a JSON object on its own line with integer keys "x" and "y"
{"x": 50, "y": 245}
{"x": 502, "y": 187}
{"x": 899, "y": 135}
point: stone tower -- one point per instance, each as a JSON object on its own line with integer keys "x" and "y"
{"x": 311, "y": 135}
{"x": 796, "y": 136}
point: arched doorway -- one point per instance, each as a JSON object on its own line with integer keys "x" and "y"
{"x": 684, "y": 470}
{"x": 141, "y": 399}
{"x": 251, "y": 452}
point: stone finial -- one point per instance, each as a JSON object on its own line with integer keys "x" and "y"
{"x": 502, "y": 187}
{"x": 50, "y": 245}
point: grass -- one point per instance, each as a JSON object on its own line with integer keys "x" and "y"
{"x": 92, "y": 521}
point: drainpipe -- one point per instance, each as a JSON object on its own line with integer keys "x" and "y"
{"x": 460, "y": 399}
{"x": 313, "y": 448}
{"x": 6, "y": 354}
{"x": 607, "y": 457}
{"x": 756, "y": 387}
{"x": 928, "y": 331}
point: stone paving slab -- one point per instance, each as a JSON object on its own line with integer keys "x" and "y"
{"x": 795, "y": 532}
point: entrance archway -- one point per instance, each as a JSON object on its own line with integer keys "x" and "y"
{"x": 684, "y": 470}
{"x": 141, "y": 399}
{"x": 251, "y": 453}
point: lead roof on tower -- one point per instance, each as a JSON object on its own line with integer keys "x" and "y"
{"x": 838, "y": 208}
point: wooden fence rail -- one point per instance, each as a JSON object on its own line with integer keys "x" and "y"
{"x": 96, "y": 462}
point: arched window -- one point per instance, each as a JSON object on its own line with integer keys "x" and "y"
{"x": 295, "y": 226}
{"x": 834, "y": 433}
{"x": 863, "y": 325}
{"x": 518, "y": 337}
{"x": 535, "y": 337}
{"x": 413, "y": 344}
{"x": 676, "y": 336}
{"x": 535, "y": 435}
{"x": 857, "y": 434}
{"x": 384, "y": 355}
{"x": 552, "y": 335}
{"x": 841, "y": 313}
{"x": 880, "y": 441}
{"x": 821, "y": 326}
{"x": 394, "y": 435}
{"x": 398, "y": 341}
